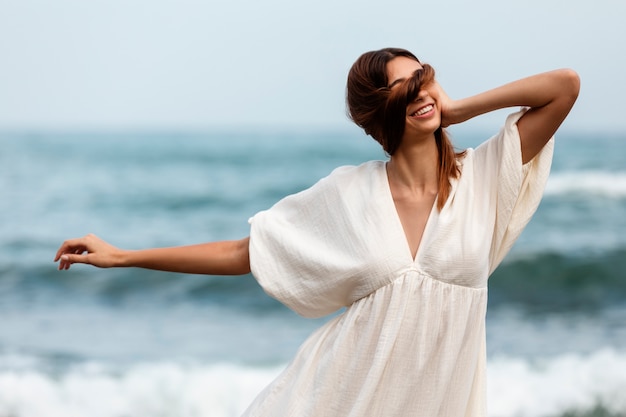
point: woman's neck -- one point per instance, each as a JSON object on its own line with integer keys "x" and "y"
{"x": 415, "y": 167}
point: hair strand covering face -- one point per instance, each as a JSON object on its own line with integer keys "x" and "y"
{"x": 381, "y": 111}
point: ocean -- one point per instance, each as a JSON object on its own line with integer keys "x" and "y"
{"x": 134, "y": 343}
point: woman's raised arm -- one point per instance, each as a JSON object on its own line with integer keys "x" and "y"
{"x": 216, "y": 258}
{"x": 550, "y": 96}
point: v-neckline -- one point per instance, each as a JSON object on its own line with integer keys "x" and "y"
{"x": 399, "y": 228}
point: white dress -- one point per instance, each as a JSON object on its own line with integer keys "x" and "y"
{"x": 411, "y": 341}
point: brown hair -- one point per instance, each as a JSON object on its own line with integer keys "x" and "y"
{"x": 381, "y": 111}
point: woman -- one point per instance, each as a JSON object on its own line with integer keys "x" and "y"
{"x": 406, "y": 245}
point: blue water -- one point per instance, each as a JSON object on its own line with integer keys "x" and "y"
{"x": 131, "y": 342}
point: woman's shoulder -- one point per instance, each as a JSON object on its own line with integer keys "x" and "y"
{"x": 356, "y": 172}
{"x": 493, "y": 146}
{"x": 350, "y": 181}
{"x": 364, "y": 167}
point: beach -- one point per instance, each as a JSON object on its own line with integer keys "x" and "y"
{"x": 130, "y": 342}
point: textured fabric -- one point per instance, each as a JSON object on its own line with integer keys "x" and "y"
{"x": 411, "y": 341}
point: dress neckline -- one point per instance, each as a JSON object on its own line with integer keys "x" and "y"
{"x": 390, "y": 207}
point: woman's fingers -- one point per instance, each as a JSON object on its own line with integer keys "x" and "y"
{"x": 86, "y": 250}
{"x": 72, "y": 246}
{"x": 68, "y": 250}
{"x": 68, "y": 259}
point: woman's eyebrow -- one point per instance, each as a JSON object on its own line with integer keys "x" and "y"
{"x": 399, "y": 80}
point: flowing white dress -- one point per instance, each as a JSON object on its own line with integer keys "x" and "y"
{"x": 411, "y": 341}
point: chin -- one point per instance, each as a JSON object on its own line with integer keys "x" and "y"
{"x": 427, "y": 127}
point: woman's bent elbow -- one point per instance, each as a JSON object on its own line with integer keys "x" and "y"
{"x": 571, "y": 83}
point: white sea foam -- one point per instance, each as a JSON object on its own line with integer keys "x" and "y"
{"x": 595, "y": 183}
{"x": 552, "y": 387}
{"x": 515, "y": 388}
{"x": 144, "y": 390}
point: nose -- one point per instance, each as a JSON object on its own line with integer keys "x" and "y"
{"x": 422, "y": 94}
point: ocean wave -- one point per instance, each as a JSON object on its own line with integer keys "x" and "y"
{"x": 133, "y": 285}
{"x": 566, "y": 385}
{"x": 537, "y": 282}
{"x": 555, "y": 281}
{"x": 161, "y": 389}
{"x": 589, "y": 183}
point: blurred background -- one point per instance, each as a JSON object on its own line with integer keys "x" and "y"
{"x": 164, "y": 123}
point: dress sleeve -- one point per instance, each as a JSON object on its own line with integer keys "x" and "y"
{"x": 302, "y": 250}
{"x": 517, "y": 189}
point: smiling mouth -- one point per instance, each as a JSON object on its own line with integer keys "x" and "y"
{"x": 422, "y": 111}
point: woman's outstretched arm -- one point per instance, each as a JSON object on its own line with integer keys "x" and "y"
{"x": 215, "y": 258}
{"x": 549, "y": 95}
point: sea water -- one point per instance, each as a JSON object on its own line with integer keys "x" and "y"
{"x": 131, "y": 342}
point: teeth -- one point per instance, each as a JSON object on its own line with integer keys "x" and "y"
{"x": 424, "y": 110}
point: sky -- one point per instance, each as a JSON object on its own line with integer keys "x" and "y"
{"x": 194, "y": 65}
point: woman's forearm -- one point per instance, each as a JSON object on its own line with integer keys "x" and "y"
{"x": 229, "y": 257}
{"x": 535, "y": 91}
{"x": 216, "y": 258}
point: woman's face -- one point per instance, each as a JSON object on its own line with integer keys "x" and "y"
{"x": 423, "y": 115}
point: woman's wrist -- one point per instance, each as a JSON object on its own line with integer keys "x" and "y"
{"x": 122, "y": 258}
{"x": 455, "y": 112}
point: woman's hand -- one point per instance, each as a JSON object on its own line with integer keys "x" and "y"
{"x": 447, "y": 106}
{"x": 87, "y": 250}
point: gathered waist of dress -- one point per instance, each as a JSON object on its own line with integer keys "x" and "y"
{"x": 418, "y": 279}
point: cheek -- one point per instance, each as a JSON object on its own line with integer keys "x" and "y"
{"x": 433, "y": 92}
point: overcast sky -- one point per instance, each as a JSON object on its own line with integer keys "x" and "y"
{"x": 183, "y": 64}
